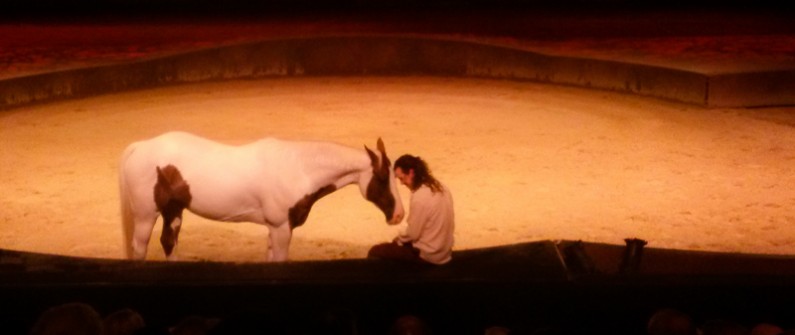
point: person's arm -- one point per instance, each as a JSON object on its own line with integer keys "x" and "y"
{"x": 418, "y": 215}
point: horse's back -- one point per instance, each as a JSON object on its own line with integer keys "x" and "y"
{"x": 186, "y": 152}
{"x": 173, "y": 147}
{"x": 180, "y": 141}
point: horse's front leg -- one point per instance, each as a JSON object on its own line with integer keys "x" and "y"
{"x": 279, "y": 242}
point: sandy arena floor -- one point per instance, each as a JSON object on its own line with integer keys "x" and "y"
{"x": 525, "y": 162}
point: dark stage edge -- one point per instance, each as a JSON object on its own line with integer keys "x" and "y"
{"x": 575, "y": 284}
{"x": 530, "y": 262}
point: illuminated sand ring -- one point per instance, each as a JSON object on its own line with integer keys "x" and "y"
{"x": 566, "y": 164}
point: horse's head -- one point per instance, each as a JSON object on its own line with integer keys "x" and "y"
{"x": 379, "y": 187}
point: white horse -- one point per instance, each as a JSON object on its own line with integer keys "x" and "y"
{"x": 270, "y": 182}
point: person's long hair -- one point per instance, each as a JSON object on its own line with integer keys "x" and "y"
{"x": 422, "y": 174}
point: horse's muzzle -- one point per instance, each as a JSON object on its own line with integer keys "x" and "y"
{"x": 396, "y": 219}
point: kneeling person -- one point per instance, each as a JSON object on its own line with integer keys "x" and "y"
{"x": 428, "y": 236}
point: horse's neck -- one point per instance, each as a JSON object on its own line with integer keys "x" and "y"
{"x": 335, "y": 164}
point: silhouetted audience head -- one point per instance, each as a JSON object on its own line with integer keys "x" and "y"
{"x": 723, "y": 327}
{"x": 409, "y": 325}
{"x": 766, "y": 329}
{"x": 336, "y": 321}
{"x": 150, "y": 330}
{"x": 68, "y": 319}
{"x": 549, "y": 331}
{"x": 256, "y": 322}
{"x": 497, "y": 330}
{"x": 194, "y": 325}
{"x": 123, "y": 322}
{"x": 670, "y": 321}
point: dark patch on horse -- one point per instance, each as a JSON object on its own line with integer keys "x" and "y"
{"x": 379, "y": 193}
{"x": 172, "y": 196}
{"x": 300, "y": 211}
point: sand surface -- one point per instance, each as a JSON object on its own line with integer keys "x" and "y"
{"x": 525, "y": 162}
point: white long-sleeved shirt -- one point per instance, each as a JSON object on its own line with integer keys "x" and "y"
{"x": 431, "y": 223}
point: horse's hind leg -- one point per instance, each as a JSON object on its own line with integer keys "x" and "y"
{"x": 141, "y": 234}
{"x": 172, "y": 196}
{"x": 139, "y": 215}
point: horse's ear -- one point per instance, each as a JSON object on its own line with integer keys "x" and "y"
{"x": 373, "y": 157}
{"x": 381, "y": 147}
{"x": 385, "y": 166}
{"x": 385, "y": 163}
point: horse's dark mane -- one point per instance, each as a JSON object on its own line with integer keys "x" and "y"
{"x": 317, "y": 152}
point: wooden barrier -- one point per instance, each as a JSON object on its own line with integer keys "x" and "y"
{"x": 391, "y": 55}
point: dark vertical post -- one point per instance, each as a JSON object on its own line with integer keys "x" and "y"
{"x": 633, "y": 253}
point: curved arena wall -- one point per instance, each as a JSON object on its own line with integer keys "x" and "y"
{"x": 401, "y": 55}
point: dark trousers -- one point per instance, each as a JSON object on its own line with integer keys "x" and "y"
{"x": 394, "y": 251}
